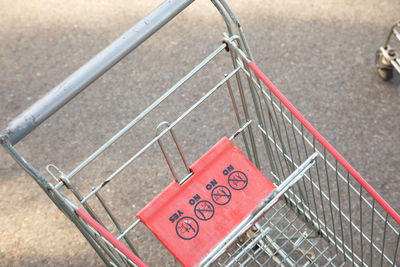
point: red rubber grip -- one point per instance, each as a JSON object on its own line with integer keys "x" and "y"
{"x": 325, "y": 143}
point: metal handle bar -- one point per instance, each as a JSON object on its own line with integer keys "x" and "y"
{"x": 42, "y": 109}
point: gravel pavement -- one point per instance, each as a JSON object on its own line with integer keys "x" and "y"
{"x": 319, "y": 53}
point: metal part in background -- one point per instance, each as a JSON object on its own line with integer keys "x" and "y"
{"x": 387, "y": 58}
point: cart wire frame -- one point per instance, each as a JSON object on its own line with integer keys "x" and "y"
{"x": 322, "y": 212}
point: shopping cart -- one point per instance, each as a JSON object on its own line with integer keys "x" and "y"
{"x": 274, "y": 193}
{"x": 386, "y": 58}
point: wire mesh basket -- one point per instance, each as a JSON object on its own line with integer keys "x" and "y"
{"x": 305, "y": 204}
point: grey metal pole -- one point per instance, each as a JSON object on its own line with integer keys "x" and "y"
{"x": 32, "y": 117}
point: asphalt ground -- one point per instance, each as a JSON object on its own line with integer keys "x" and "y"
{"x": 320, "y": 54}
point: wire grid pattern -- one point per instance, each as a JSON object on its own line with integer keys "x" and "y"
{"x": 94, "y": 203}
{"x": 326, "y": 218}
{"x": 328, "y": 198}
{"x": 280, "y": 237}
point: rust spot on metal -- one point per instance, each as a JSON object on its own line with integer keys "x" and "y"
{"x": 227, "y": 45}
{"x": 4, "y": 136}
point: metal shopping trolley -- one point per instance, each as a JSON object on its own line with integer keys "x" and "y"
{"x": 387, "y": 58}
{"x": 269, "y": 190}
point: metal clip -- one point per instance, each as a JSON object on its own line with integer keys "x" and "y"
{"x": 177, "y": 146}
{"x": 61, "y": 176}
{"x": 60, "y": 173}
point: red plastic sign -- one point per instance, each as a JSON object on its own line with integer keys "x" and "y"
{"x": 193, "y": 218}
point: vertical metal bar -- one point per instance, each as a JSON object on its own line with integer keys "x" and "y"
{"x": 277, "y": 151}
{"x": 253, "y": 157}
{"x": 291, "y": 162}
{"x": 299, "y": 158}
{"x": 246, "y": 112}
{"x": 237, "y": 115}
{"x": 243, "y": 42}
{"x": 252, "y": 90}
{"x": 177, "y": 146}
{"x": 168, "y": 161}
{"x": 339, "y": 204}
{"x": 269, "y": 104}
{"x": 320, "y": 191}
{"x": 384, "y": 238}
{"x": 268, "y": 148}
{"x": 275, "y": 124}
{"x": 372, "y": 229}
{"x": 263, "y": 124}
{"x": 180, "y": 150}
{"x": 350, "y": 218}
{"x": 330, "y": 201}
{"x": 361, "y": 224}
{"x": 290, "y": 153}
{"x": 259, "y": 117}
{"x": 270, "y": 153}
{"x": 240, "y": 29}
{"x": 224, "y": 16}
{"x": 240, "y": 86}
{"x": 310, "y": 175}
{"x": 396, "y": 249}
{"x": 294, "y": 137}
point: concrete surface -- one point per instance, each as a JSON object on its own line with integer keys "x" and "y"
{"x": 320, "y": 54}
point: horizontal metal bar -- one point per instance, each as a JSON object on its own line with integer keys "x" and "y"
{"x": 240, "y": 130}
{"x": 41, "y": 110}
{"x": 143, "y": 113}
{"x": 133, "y": 225}
{"x": 123, "y": 166}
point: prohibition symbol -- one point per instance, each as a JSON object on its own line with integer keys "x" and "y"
{"x": 204, "y": 210}
{"x": 237, "y": 180}
{"x": 187, "y": 228}
{"x": 221, "y": 195}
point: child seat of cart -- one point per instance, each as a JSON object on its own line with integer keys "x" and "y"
{"x": 192, "y": 218}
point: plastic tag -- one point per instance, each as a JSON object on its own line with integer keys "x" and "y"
{"x": 193, "y": 218}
